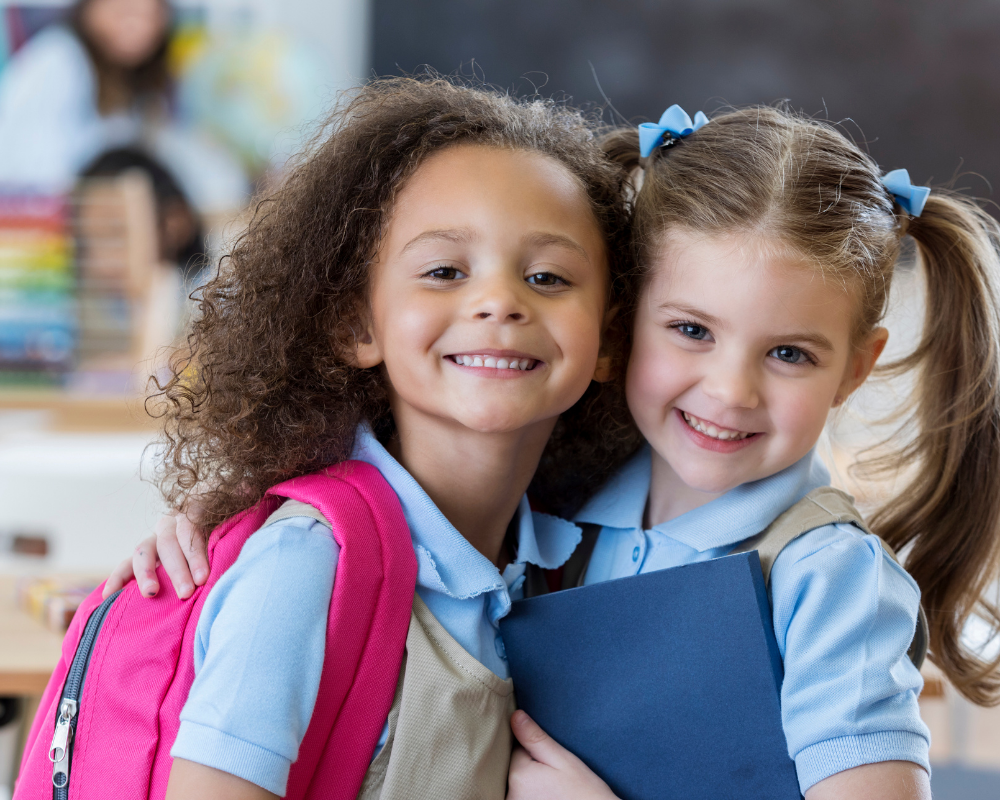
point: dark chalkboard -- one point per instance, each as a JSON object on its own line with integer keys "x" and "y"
{"x": 920, "y": 79}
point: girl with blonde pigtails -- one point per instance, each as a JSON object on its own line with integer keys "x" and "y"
{"x": 767, "y": 243}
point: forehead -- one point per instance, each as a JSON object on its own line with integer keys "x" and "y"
{"x": 491, "y": 188}
{"x": 742, "y": 277}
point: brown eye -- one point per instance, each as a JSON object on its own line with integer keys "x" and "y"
{"x": 544, "y": 279}
{"x": 443, "y": 273}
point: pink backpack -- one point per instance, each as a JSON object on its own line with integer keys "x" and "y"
{"x": 110, "y": 713}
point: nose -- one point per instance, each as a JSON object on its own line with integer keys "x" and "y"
{"x": 500, "y": 299}
{"x": 733, "y": 383}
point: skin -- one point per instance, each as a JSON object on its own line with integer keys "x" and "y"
{"x": 769, "y": 357}
{"x": 126, "y": 31}
{"x": 487, "y": 250}
{"x": 724, "y": 356}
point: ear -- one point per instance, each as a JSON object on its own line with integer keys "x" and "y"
{"x": 364, "y": 351}
{"x": 861, "y": 363}
{"x": 602, "y": 371}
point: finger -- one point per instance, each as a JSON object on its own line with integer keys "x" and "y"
{"x": 522, "y": 777}
{"x": 519, "y": 758}
{"x": 172, "y": 558}
{"x": 144, "y": 567}
{"x": 193, "y": 547}
{"x": 539, "y": 745}
{"x": 119, "y": 576}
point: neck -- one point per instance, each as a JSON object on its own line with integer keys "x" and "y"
{"x": 669, "y": 496}
{"x": 476, "y": 479}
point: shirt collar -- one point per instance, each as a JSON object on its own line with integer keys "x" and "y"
{"x": 738, "y": 514}
{"x": 446, "y": 561}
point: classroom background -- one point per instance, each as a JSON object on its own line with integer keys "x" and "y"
{"x": 92, "y": 296}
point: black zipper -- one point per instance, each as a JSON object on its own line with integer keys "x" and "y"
{"x": 61, "y": 749}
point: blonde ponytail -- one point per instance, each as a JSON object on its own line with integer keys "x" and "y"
{"x": 949, "y": 512}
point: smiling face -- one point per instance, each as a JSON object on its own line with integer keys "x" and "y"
{"x": 489, "y": 292}
{"x": 739, "y": 354}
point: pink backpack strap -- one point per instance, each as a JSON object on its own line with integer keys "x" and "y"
{"x": 366, "y": 630}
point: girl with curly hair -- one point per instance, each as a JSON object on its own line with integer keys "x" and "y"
{"x": 428, "y": 292}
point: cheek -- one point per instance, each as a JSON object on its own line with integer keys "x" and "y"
{"x": 578, "y": 332}
{"x": 409, "y": 327}
{"x": 655, "y": 374}
{"x": 801, "y": 412}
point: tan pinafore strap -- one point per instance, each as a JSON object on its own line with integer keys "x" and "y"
{"x": 822, "y": 506}
{"x": 449, "y": 725}
{"x": 296, "y": 508}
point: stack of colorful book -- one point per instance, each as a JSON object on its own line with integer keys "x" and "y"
{"x": 53, "y": 601}
{"x": 37, "y": 290}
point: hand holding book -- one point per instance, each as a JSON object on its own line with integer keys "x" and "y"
{"x": 541, "y": 767}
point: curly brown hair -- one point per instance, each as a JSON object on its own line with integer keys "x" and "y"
{"x": 264, "y": 390}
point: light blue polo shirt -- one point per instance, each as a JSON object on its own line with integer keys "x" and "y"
{"x": 261, "y": 636}
{"x": 844, "y": 611}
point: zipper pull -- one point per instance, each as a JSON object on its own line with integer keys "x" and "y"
{"x": 59, "y": 749}
{"x": 61, "y": 737}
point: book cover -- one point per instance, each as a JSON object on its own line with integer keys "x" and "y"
{"x": 666, "y": 684}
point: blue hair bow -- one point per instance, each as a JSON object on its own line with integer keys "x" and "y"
{"x": 910, "y": 198}
{"x": 674, "y": 121}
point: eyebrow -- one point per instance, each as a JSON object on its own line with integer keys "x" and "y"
{"x": 815, "y": 340}
{"x": 453, "y": 235}
{"x": 691, "y": 311}
{"x": 545, "y": 239}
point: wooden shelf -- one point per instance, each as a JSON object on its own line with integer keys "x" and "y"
{"x": 81, "y": 413}
{"x": 28, "y": 650}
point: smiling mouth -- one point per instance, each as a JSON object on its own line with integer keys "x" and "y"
{"x": 495, "y": 362}
{"x": 714, "y": 431}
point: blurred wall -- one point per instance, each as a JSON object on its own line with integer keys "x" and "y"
{"x": 339, "y": 28}
{"x": 920, "y": 79}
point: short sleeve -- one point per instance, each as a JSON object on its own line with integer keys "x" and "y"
{"x": 259, "y": 651}
{"x": 844, "y": 617}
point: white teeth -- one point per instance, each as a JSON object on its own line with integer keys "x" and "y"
{"x": 708, "y": 429}
{"x": 493, "y": 362}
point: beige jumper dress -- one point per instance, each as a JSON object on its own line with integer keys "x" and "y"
{"x": 449, "y": 725}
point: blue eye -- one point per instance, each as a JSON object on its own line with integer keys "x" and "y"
{"x": 697, "y": 332}
{"x": 790, "y": 355}
{"x": 544, "y": 279}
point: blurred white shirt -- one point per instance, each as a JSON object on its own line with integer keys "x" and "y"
{"x": 51, "y": 129}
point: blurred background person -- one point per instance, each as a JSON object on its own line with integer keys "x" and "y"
{"x": 98, "y": 82}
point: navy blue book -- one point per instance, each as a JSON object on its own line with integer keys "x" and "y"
{"x": 666, "y": 684}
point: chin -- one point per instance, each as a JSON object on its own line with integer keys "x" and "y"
{"x": 493, "y": 422}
